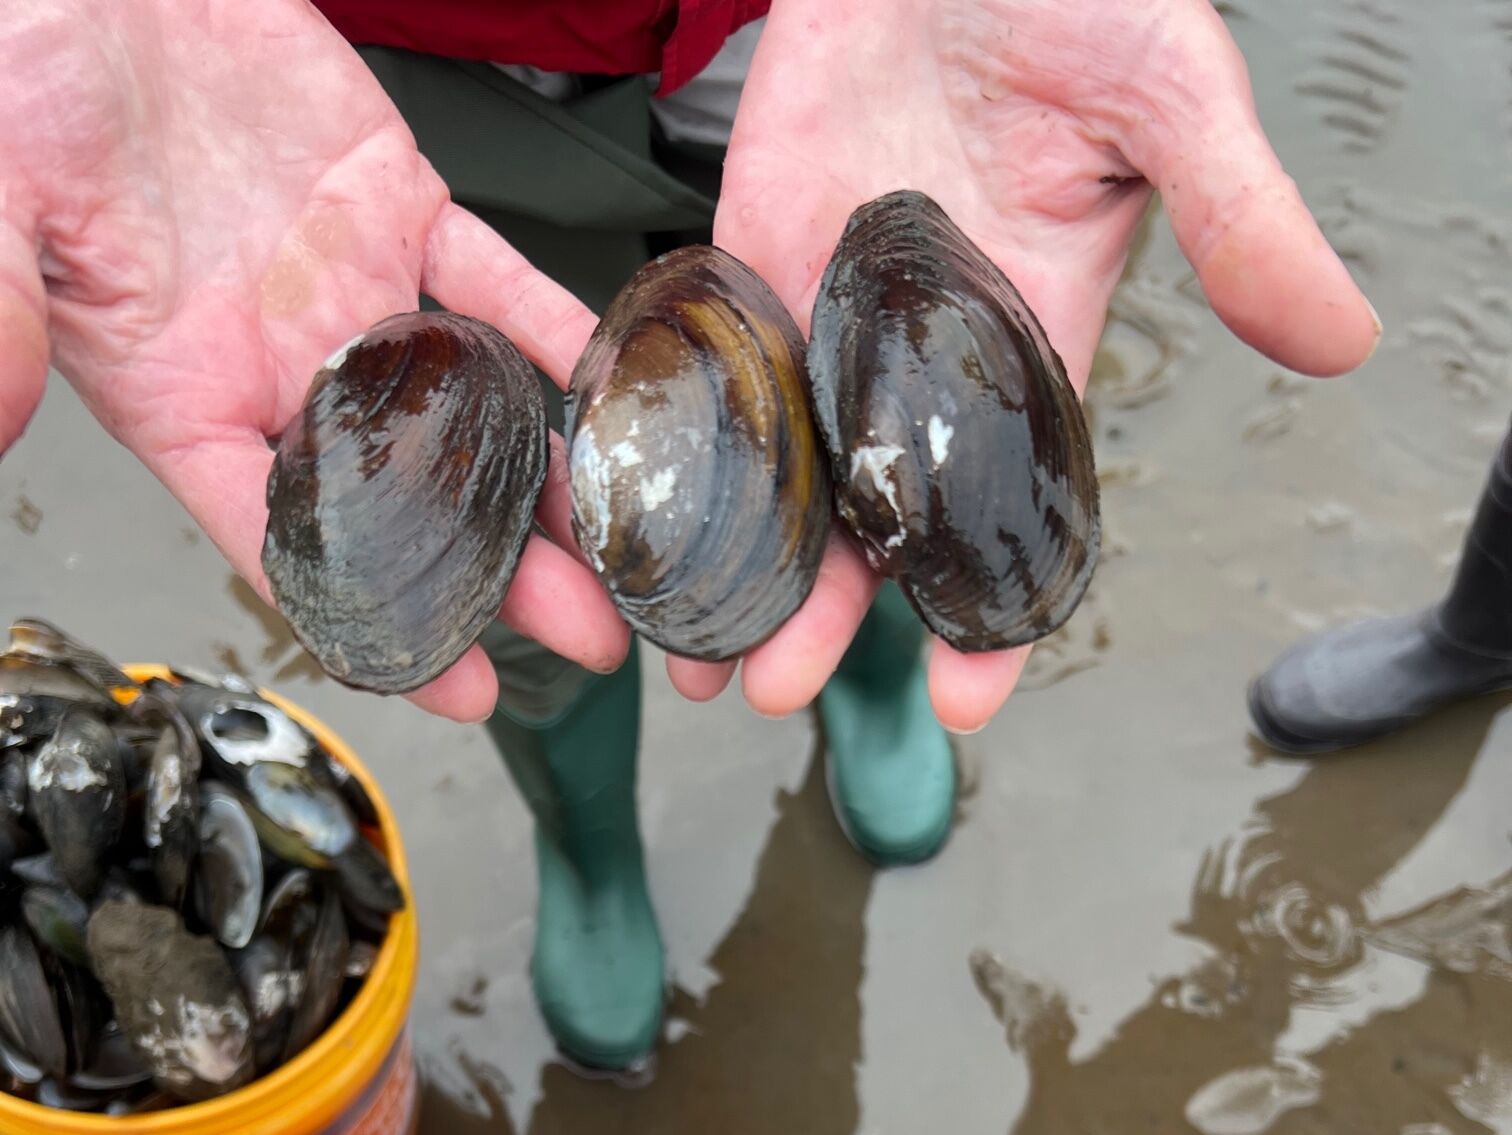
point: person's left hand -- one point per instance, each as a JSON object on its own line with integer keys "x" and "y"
{"x": 1040, "y": 127}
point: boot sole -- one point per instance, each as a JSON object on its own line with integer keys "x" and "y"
{"x": 1277, "y": 737}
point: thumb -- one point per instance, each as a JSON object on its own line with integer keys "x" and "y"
{"x": 23, "y": 335}
{"x": 1265, "y": 266}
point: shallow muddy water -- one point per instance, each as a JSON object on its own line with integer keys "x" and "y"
{"x": 1144, "y": 921}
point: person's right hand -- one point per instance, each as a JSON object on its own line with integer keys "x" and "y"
{"x": 200, "y": 201}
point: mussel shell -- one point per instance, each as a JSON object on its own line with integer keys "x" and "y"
{"x": 82, "y": 1009}
{"x": 59, "y": 919}
{"x": 38, "y": 639}
{"x": 116, "y": 1064}
{"x": 18, "y": 1069}
{"x": 172, "y": 814}
{"x": 271, "y": 981}
{"x": 228, "y": 874}
{"x": 239, "y": 730}
{"x": 960, "y": 454}
{"x": 77, "y": 791}
{"x": 175, "y": 996}
{"x": 17, "y": 716}
{"x": 17, "y": 841}
{"x": 402, "y": 495}
{"x": 13, "y": 782}
{"x": 366, "y": 880}
{"x": 68, "y": 1096}
{"x": 29, "y": 1021}
{"x": 41, "y": 869}
{"x": 348, "y": 787}
{"x": 297, "y": 818}
{"x": 51, "y": 688}
{"x": 700, "y": 495}
{"x": 284, "y": 903}
{"x": 323, "y": 963}
{"x": 361, "y": 956}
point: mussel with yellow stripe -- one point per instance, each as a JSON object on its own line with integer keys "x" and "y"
{"x": 700, "y": 492}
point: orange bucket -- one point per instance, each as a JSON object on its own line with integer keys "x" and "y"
{"x": 358, "y": 1078}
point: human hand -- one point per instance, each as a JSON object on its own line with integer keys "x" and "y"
{"x": 198, "y": 203}
{"x": 1040, "y": 127}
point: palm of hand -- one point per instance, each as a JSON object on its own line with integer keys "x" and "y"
{"x": 206, "y": 241}
{"x": 1040, "y": 127}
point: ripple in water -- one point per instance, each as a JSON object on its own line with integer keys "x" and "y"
{"x": 1247, "y": 1101}
{"x": 1320, "y": 934}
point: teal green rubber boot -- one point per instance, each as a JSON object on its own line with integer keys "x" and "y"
{"x": 889, "y": 765}
{"x": 598, "y": 968}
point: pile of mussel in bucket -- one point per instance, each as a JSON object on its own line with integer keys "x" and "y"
{"x": 709, "y": 450}
{"x": 187, "y": 896}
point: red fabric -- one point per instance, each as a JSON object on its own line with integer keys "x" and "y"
{"x": 597, "y": 37}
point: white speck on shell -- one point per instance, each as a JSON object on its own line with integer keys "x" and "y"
{"x": 939, "y": 440}
{"x": 204, "y": 1042}
{"x": 339, "y": 355}
{"x": 626, "y": 454}
{"x": 656, "y": 490}
{"x": 590, "y": 493}
{"x": 68, "y": 771}
{"x": 877, "y": 460}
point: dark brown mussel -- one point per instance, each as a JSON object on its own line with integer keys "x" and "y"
{"x": 960, "y": 455}
{"x": 700, "y": 494}
{"x": 402, "y": 495}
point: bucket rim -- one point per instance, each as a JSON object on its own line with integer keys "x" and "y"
{"x": 315, "y": 1089}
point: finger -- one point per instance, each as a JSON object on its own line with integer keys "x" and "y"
{"x": 1266, "y": 267}
{"x": 23, "y": 335}
{"x": 967, "y": 689}
{"x": 467, "y": 692}
{"x": 560, "y": 604}
{"x": 471, "y": 270}
{"x": 787, "y": 671}
{"x": 699, "y": 681}
{"x": 554, "y": 509}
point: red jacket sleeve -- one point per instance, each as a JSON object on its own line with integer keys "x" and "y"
{"x": 599, "y": 37}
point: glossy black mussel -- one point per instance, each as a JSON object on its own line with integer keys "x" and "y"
{"x": 960, "y": 454}
{"x": 171, "y": 819}
{"x": 229, "y": 871}
{"x": 300, "y": 814}
{"x": 77, "y": 792}
{"x": 30, "y": 1026}
{"x": 402, "y": 495}
{"x": 700, "y": 495}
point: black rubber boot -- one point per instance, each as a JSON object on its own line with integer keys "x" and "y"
{"x": 1357, "y": 682}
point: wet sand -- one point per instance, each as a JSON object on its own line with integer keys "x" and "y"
{"x": 1144, "y": 922}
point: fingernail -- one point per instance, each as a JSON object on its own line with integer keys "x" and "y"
{"x": 965, "y": 732}
{"x": 773, "y": 716}
{"x": 1376, "y": 319}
